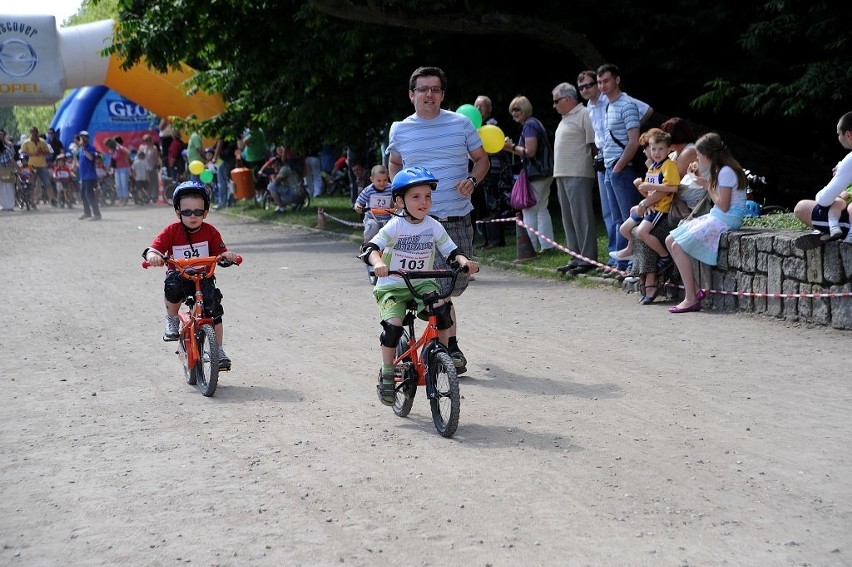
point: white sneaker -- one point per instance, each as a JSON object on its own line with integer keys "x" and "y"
{"x": 620, "y": 255}
{"x": 172, "y": 332}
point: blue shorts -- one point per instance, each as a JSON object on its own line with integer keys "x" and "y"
{"x": 819, "y": 219}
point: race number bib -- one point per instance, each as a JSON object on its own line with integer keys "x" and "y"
{"x": 380, "y": 201}
{"x": 199, "y": 250}
{"x": 413, "y": 253}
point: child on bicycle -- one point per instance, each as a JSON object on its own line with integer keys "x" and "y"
{"x": 408, "y": 242}
{"x": 188, "y": 238}
{"x": 63, "y": 175}
{"x": 374, "y": 197}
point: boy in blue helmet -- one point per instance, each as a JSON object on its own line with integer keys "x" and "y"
{"x": 408, "y": 242}
{"x": 190, "y": 237}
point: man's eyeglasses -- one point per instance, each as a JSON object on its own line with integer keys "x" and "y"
{"x": 424, "y": 90}
{"x": 192, "y": 212}
{"x": 586, "y": 86}
{"x": 514, "y": 109}
{"x": 557, "y": 100}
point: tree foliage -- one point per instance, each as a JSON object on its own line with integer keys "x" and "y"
{"x": 336, "y": 71}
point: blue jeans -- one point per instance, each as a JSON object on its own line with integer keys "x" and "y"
{"x": 621, "y": 195}
{"x": 611, "y": 229}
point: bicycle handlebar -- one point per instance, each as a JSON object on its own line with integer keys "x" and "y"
{"x": 426, "y": 275}
{"x": 189, "y": 266}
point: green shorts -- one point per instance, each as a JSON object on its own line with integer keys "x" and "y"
{"x": 392, "y": 299}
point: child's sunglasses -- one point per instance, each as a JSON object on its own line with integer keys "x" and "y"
{"x": 191, "y": 212}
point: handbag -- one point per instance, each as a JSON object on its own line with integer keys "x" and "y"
{"x": 522, "y": 193}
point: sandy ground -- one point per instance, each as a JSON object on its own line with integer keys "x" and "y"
{"x": 593, "y": 431}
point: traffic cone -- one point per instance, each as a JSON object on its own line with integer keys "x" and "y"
{"x": 321, "y": 220}
{"x": 525, "y": 247}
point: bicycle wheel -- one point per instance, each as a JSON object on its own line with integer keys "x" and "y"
{"x": 267, "y": 203}
{"x": 169, "y": 187}
{"x": 188, "y": 373}
{"x": 406, "y": 391}
{"x": 207, "y": 368}
{"x": 446, "y": 400}
{"x": 772, "y": 210}
{"x": 107, "y": 192}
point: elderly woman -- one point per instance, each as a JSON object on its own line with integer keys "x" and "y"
{"x": 533, "y": 142}
{"x": 645, "y": 259}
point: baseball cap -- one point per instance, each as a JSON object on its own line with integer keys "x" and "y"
{"x": 83, "y": 133}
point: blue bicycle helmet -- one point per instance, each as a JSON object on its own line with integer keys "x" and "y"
{"x": 409, "y": 177}
{"x": 190, "y": 188}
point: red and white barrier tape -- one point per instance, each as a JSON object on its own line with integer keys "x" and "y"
{"x": 818, "y": 295}
{"x": 341, "y": 221}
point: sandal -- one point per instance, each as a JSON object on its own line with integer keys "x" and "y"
{"x": 386, "y": 389}
{"x": 649, "y": 299}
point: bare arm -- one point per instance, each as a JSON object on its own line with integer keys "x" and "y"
{"x": 394, "y": 165}
{"x": 629, "y": 150}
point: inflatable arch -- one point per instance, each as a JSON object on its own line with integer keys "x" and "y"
{"x": 39, "y": 62}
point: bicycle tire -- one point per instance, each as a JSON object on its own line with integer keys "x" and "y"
{"x": 267, "y": 203}
{"x": 406, "y": 391}
{"x": 772, "y": 210}
{"x": 107, "y": 194}
{"x": 169, "y": 187}
{"x": 446, "y": 401}
{"x": 207, "y": 368}
{"x": 188, "y": 373}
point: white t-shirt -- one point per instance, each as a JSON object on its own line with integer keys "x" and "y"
{"x": 411, "y": 247}
{"x": 841, "y": 180}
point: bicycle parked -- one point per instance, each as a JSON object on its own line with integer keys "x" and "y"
{"x": 427, "y": 362}
{"x": 198, "y": 349}
{"x": 757, "y": 186}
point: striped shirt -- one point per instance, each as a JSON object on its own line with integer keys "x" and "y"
{"x": 622, "y": 115}
{"x": 441, "y": 145}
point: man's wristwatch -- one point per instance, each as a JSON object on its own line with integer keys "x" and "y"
{"x": 473, "y": 180}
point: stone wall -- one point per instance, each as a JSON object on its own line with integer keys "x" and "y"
{"x": 765, "y": 261}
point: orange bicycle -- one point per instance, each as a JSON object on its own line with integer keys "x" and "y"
{"x": 198, "y": 349}
{"x": 427, "y": 362}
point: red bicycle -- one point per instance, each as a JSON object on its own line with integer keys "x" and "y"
{"x": 427, "y": 362}
{"x": 198, "y": 349}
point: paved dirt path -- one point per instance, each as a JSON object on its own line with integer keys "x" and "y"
{"x": 593, "y": 431}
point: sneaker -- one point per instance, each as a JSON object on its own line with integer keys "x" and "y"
{"x": 834, "y": 233}
{"x": 224, "y": 361}
{"x": 85, "y": 217}
{"x": 663, "y": 263}
{"x": 459, "y": 360}
{"x": 385, "y": 389}
{"x": 172, "y": 332}
{"x": 96, "y": 217}
{"x": 621, "y": 255}
{"x": 809, "y": 241}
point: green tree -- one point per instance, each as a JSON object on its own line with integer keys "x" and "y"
{"x": 335, "y": 70}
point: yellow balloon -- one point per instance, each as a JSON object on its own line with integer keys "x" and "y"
{"x": 492, "y": 138}
{"x": 196, "y": 167}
